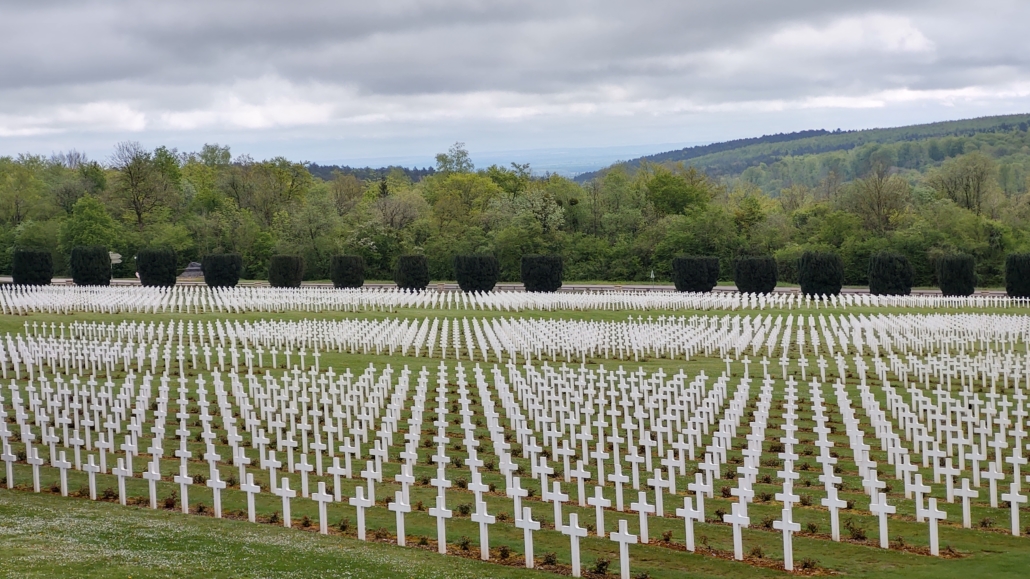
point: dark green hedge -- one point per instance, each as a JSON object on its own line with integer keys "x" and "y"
{"x": 91, "y": 265}
{"x": 1017, "y": 275}
{"x": 156, "y": 267}
{"x": 285, "y": 271}
{"x": 820, "y": 273}
{"x": 695, "y": 273}
{"x": 476, "y": 273}
{"x": 412, "y": 272}
{"x": 222, "y": 269}
{"x": 755, "y": 274}
{"x": 542, "y": 273}
{"x": 347, "y": 271}
{"x": 956, "y": 275}
{"x": 32, "y": 267}
{"x": 890, "y": 274}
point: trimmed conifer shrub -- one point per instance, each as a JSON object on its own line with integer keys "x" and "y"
{"x": 91, "y": 265}
{"x": 542, "y": 273}
{"x": 222, "y": 269}
{"x": 820, "y": 273}
{"x": 695, "y": 273}
{"x": 890, "y": 274}
{"x": 755, "y": 275}
{"x": 1017, "y": 275}
{"x": 32, "y": 266}
{"x": 347, "y": 271}
{"x": 285, "y": 271}
{"x": 156, "y": 267}
{"x": 412, "y": 272}
{"x": 476, "y": 273}
{"x": 956, "y": 275}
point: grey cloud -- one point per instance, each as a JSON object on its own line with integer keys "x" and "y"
{"x": 288, "y": 71}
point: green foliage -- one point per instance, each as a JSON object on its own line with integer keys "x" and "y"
{"x": 32, "y": 266}
{"x": 695, "y": 274}
{"x": 89, "y": 224}
{"x": 91, "y": 265}
{"x": 157, "y": 267}
{"x": 222, "y": 269}
{"x": 956, "y": 274}
{"x": 755, "y": 274}
{"x": 476, "y": 273}
{"x": 1017, "y": 275}
{"x": 285, "y": 271}
{"x": 890, "y": 274}
{"x": 347, "y": 271}
{"x": 412, "y": 272}
{"x": 542, "y": 273}
{"x": 820, "y": 273}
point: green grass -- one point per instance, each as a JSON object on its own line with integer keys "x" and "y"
{"x": 47, "y": 535}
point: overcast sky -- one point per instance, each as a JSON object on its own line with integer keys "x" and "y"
{"x": 344, "y": 80}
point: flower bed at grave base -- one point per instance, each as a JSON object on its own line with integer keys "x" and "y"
{"x": 199, "y": 299}
{"x": 926, "y": 414}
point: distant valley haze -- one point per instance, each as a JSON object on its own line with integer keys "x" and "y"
{"x": 567, "y": 86}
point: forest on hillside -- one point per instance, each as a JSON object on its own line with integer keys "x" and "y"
{"x": 923, "y": 196}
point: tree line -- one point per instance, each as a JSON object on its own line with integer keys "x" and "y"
{"x": 619, "y": 226}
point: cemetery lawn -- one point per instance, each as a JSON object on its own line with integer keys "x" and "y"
{"x": 50, "y": 536}
{"x": 45, "y": 535}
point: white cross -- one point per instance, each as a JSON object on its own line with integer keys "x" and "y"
{"x": 643, "y": 509}
{"x": 484, "y": 519}
{"x": 361, "y": 503}
{"x": 624, "y": 539}
{"x": 738, "y": 520}
{"x": 1014, "y": 499}
{"x": 399, "y": 506}
{"x": 788, "y": 527}
{"x": 441, "y": 513}
{"x": 528, "y": 525}
{"x": 152, "y": 475}
{"x": 64, "y": 465}
{"x": 934, "y": 515}
{"x": 323, "y": 498}
{"x": 919, "y": 489}
{"x": 881, "y": 509}
{"x": 285, "y": 493}
{"x": 600, "y": 504}
{"x": 91, "y": 470}
{"x": 966, "y": 493}
{"x": 993, "y": 476}
{"x": 574, "y": 531}
{"x": 122, "y": 473}
{"x": 689, "y": 514}
{"x": 216, "y": 484}
{"x": 558, "y": 498}
{"x": 251, "y": 489}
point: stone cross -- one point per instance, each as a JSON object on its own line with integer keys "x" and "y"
{"x": 91, "y": 470}
{"x": 624, "y": 539}
{"x": 8, "y": 457}
{"x": 216, "y": 484}
{"x": 251, "y": 489}
{"x": 286, "y": 493}
{"x": 689, "y": 514}
{"x": 399, "y": 506}
{"x": 966, "y": 493}
{"x": 643, "y": 509}
{"x": 152, "y": 475}
{"x": 122, "y": 473}
{"x": 323, "y": 498}
{"x": 63, "y": 464}
{"x": 788, "y": 527}
{"x": 834, "y": 504}
{"x": 441, "y": 513}
{"x": 738, "y": 520}
{"x": 1014, "y": 499}
{"x": 360, "y": 503}
{"x": 575, "y": 532}
{"x": 600, "y": 504}
{"x": 484, "y": 520}
{"x": 881, "y": 509}
{"x": 934, "y": 515}
{"x": 919, "y": 489}
{"x": 528, "y": 525}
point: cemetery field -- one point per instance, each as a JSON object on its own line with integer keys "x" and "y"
{"x": 679, "y": 443}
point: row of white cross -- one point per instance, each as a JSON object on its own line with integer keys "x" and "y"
{"x": 609, "y": 424}
{"x": 177, "y": 346}
{"x": 201, "y": 299}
